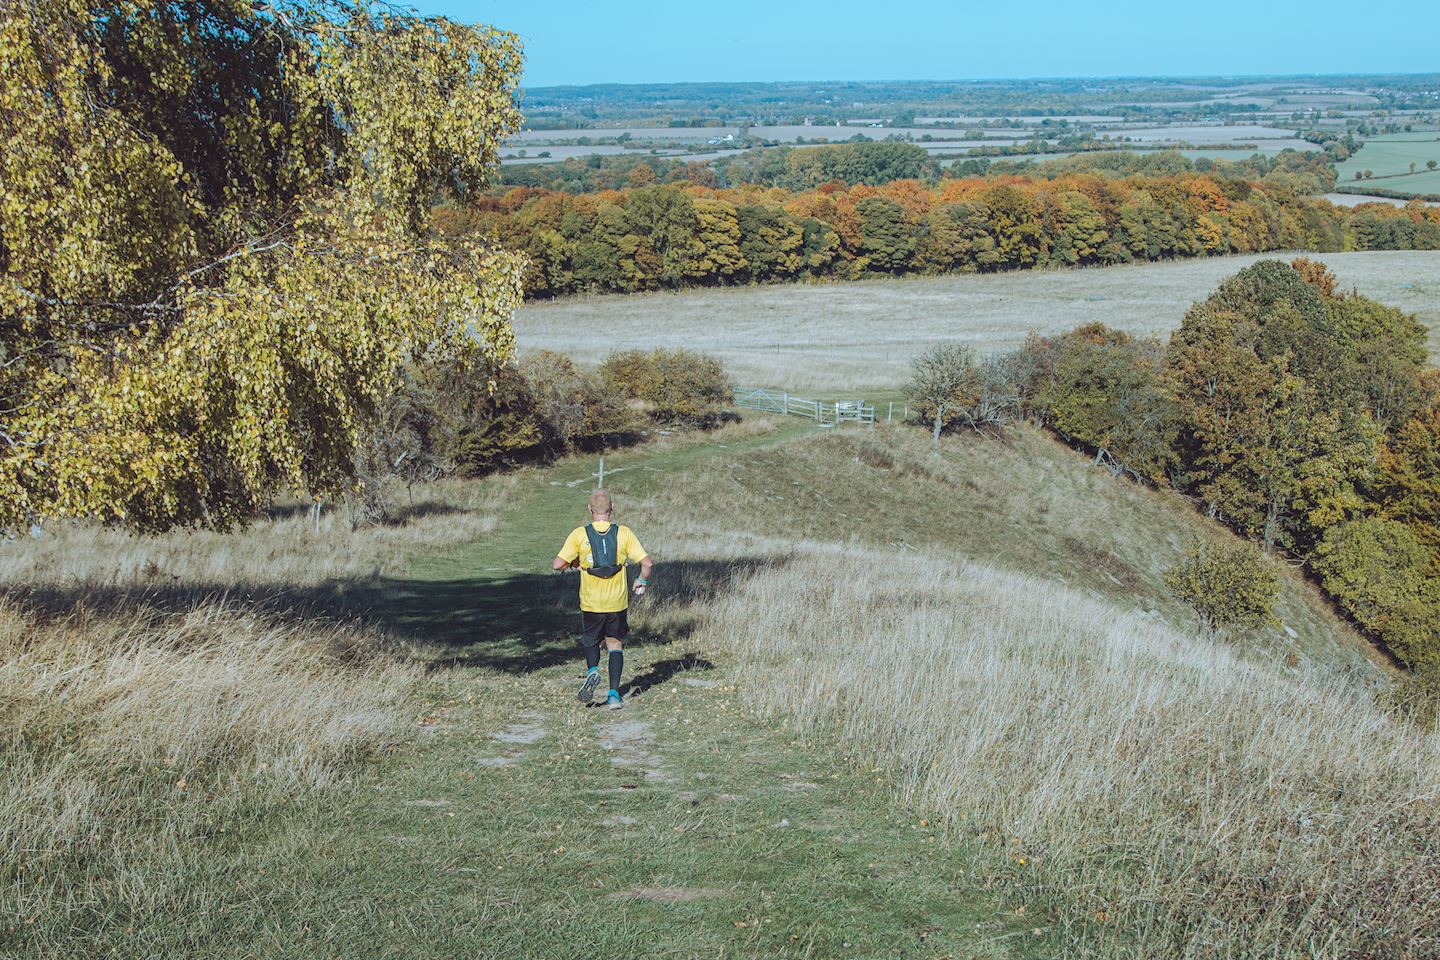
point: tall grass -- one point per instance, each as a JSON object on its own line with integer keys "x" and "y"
{"x": 983, "y": 622}
{"x": 1157, "y": 791}
{"x": 133, "y": 740}
{"x": 286, "y": 548}
{"x": 158, "y": 697}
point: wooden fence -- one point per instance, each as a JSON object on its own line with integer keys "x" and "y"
{"x": 827, "y": 414}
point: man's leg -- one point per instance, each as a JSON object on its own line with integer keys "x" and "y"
{"x": 617, "y": 662}
{"x": 590, "y": 643}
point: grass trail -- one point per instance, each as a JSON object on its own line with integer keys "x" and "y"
{"x": 523, "y": 825}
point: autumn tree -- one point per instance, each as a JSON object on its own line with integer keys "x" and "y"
{"x": 1266, "y": 448}
{"x": 943, "y": 380}
{"x": 1105, "y": 390}
{"x": 1408, "y": 484}
{"x": 214, "y": 243}
{"x": 1384, "y": 577}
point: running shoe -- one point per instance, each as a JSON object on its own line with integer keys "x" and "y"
{"x": 587, "y": 689}
{"x": 613, "y": 702}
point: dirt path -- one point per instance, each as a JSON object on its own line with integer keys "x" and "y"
{"x": 524, "y": 825}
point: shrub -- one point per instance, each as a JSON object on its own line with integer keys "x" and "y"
{"x": 1384, "y": 577}
{"x": 485, "y": 426}
{"x": 579, "y": 409}
{"x": 1229, "y": 585}
{"x": 1103, "y": 389}
{"x": 676, "y": 386}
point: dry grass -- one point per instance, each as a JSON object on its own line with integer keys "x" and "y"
{"x": 1165, "y": 794}
{"x": 134, "y": 738}
{"x": 155, "y": 693}
{"x": 283, "y": 550}
{"x": 1025, "y": 503}
{"x": 861, "y": 336}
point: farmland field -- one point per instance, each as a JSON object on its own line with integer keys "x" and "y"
{"x": 862, "y": 335}
{"x": 1355, "y": 199}
{"x": 1389, "y": 158}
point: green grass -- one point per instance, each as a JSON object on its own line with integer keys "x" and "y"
{"x": 519, "y": 824}
{"x": 701, "y": 833}
{"x": 1389, "y": 159}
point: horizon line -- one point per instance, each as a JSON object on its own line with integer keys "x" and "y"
{"x": 996, "y": 79}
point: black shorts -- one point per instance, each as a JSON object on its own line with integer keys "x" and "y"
{"x": 595, "y": 627}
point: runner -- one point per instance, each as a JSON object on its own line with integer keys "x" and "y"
{"x": 601, "y": 550}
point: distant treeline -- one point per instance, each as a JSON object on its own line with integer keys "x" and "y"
{"x": 669, "y": 236}
{"x": 879, "y": 162}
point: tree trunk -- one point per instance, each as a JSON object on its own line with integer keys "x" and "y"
{"x": 939, "y": 411}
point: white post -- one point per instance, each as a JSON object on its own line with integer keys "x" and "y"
{"x": 890, "y": 413}
{"x": 602, "y": 472}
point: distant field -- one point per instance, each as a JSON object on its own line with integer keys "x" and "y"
{"x": 862, "y": 335}
{"x": 1355, "y": 199}
{"x": 561, "y": 143}
{"x": 1391, "y": 155}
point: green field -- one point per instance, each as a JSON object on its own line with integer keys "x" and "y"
{"x": 1390, "y": 157}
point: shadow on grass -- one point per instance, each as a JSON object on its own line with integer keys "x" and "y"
{"x": 516, "y": 625}
{"x": 662, "y": 670}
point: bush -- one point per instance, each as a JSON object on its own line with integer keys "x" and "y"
{"x": 1102, "y": 389}
{"x": 448, "y": 420}
{"x": 1229, "y": 585}
{"x": 678, "y": 387}
{"x": 579, "y": 409}
{"x": 1384, "y": 577}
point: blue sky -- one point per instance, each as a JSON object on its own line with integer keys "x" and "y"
{"x": 615, "y": 42}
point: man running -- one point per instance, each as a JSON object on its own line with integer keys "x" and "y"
{"x": 601, "y": 549}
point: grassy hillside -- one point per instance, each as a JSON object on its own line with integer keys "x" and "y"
{"x": 861, "y": 336}
{"x": 887, "y": 699}
{"x": 983, "y": 624}
{"x": 1025, "y": 503}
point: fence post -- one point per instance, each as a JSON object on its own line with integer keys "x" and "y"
{"x": 890, "y": 413}
{"x": 601, "y": 485}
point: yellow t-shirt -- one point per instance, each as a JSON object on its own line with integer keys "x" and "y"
{"x": 600, "y": 594}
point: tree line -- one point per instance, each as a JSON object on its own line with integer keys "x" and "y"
{"x": 667, "y": 236}
{"x": 1303, "y": 417}
{"x": 879, "y": 162}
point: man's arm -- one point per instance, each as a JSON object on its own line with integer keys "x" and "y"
{"x": 569, "y": 555}
{"x": 643, "y": 581}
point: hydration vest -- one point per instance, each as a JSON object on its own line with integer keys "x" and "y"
{"x": 604, "y": 551}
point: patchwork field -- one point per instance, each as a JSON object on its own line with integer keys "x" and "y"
{"x": 1389, "y": 159}
{"x": 862, "y": 335}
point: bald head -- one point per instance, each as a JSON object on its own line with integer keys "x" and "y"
{"x": 601, "y": 504}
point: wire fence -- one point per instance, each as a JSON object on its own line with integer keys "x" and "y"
{"x": 826, "y": 413}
